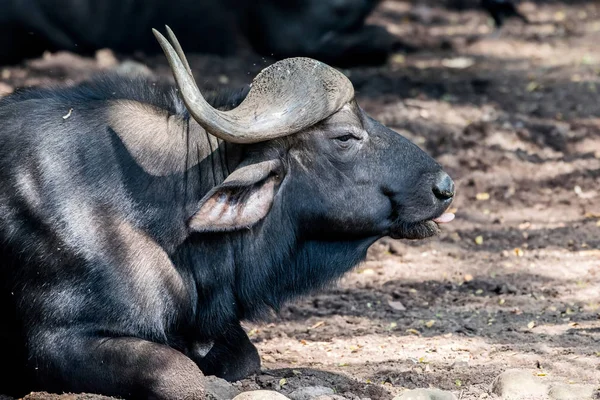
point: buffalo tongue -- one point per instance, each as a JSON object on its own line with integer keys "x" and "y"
{"x": 444, "y": 218}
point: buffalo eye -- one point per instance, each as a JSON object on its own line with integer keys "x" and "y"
{"x": 344, "y": 138}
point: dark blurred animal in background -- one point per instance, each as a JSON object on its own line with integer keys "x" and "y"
{"x": 332, "y": 31}
{"x": 137, "y": 227}
{"x": 501, "y": 10}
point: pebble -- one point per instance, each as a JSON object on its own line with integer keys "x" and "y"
{"x": 260, "y": 395}
{"x": 310, "y": 392}
{"x": 219, "y": 389}
{"x": 426, "y": 394}
{"x": 519, "y": 384}
{"x": 133, "y": 68}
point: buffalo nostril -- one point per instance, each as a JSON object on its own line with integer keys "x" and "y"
{"x": 444, "y": 187}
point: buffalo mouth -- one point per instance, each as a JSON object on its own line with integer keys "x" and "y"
{"x": 420, "y": 229}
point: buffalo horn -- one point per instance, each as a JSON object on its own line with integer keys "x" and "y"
{"x": 284, "y": 98}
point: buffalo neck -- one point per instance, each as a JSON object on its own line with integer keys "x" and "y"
{"x": 169, "y": 164}
{"x": 249, "y": 273}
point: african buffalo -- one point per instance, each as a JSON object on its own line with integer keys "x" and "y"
{"x": 139, "y": 225}
{"x": 329, "y": 30}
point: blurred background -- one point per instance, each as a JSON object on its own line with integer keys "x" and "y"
{"x": 334, "y": 31}
{"x": 504, "y": 95}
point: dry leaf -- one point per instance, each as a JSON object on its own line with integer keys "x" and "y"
{"x": 482, "y": 196}
{"x": 518, "y": 252}
{"x": 429, "y": 323}
{"x": 413, "y": 332}
{"x": 531, "y": 86}
{"x": 282, "y": 382}
{"x": 458, "y": 62}
{"x": 366, "y": 271}
{"x": 479, "y": 240}
{"x": 398, "y": 59}
{"x": 531, "y": 325}
{"x": 318, "y": 324}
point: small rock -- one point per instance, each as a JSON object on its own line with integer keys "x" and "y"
{"x": 260, "y": 395}
{"x": 426, "y": 394}
{"x": 219, "y": 389}
{"x": 396, "y": 305}
{"x": 517, "y": 384}
{"x": 133, "y": 68}
{"x": 331, "y": 397}
{"x": 267, "y": 381}
{"x": 571, "y": 392}
{"x": 310, "y": 392}
{"x": 460, "y": 362}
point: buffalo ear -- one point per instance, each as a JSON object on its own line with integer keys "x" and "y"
{"x": 243, "y": 199}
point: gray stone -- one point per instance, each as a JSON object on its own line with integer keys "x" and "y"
{"x": 260, "y": 395}
{"x": 331, "y": 397}
{"x": 133, "y": 68}
{"x": 310, "y": 392}
{"x": 571, "y": 392}
{"x": 519, "y": 384}
{"x": 426, "y": 394}
{"x": 219, "y": 389}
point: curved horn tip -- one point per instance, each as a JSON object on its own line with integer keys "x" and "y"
{"x": 157, "y": 34}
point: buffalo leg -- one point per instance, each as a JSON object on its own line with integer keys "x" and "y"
{"x": 125, "y": 367}
{"x": 232, "y": 356}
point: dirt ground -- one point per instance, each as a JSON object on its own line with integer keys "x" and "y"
{"x": 514, "y": 281}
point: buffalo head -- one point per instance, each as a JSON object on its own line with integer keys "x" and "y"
{"x": 310, "y": 148}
